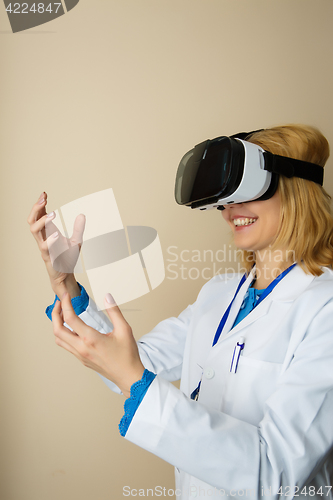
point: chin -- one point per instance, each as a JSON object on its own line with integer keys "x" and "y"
{"x": 244, "y": 246}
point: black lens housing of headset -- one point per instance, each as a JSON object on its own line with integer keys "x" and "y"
{"x": 228, "y": 170}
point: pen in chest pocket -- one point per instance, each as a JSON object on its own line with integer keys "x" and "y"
{"x": 236, "y": 354}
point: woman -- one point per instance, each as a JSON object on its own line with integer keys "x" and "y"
{"x": 253, "y": 416}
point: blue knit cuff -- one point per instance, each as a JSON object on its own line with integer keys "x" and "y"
{"x": 79, "y": 303}
{"x": 138, "y": 391}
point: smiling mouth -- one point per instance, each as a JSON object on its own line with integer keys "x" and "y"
{"x": 243, "y": 222}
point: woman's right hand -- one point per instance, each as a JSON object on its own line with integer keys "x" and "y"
{"x": 60, "y": 254}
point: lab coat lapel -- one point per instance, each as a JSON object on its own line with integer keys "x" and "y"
{"x": 258, "y": 312}
{"x": 291, "y": 286}
{"x": 236, "y": 305}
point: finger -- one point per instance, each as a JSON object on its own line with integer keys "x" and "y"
{"x": 46, "y": 247}
{"x": 79, "y": 225}
{"x": 57, "y": 316}
{"x": 38, "y": 210}
{"x": 60, "y": 331}
{"x": 71, "y": 318}
{"x": 115, "y": 313}
{"x": 49, "y": 226}
{"x": 43, "y": 223}
{"x": 61, "y": 343}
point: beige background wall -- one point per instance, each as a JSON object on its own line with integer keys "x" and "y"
{"x": 112, "y": 95}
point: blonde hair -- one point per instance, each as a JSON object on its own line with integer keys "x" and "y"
{"x": 306, "y": 225}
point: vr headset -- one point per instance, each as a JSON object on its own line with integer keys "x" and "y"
{"x": 228, "y": 170}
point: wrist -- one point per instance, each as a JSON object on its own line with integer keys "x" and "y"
{"x": 69, "y": 284}
{"x": 126, "y": 385}
{"x": 72, "y": 287}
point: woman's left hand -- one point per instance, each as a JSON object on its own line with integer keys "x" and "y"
{"x": 114, "y": 355}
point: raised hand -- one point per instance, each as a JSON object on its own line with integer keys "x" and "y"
{"x": 59, "y": 253}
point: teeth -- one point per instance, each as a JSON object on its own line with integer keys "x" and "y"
{"x": 243, "y": 222}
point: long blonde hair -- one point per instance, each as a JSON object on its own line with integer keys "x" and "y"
{"x": 306, "y": 226}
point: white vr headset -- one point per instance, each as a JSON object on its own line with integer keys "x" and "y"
{"x": 228, "y": 170}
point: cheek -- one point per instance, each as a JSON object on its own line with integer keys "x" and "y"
{"x": 271, "y": 227}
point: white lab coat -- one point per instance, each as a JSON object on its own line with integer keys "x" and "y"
{"x": 267, "y": 428}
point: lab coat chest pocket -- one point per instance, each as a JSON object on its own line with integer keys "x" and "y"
{"x": 247, "y": 390}
{"x": 259, "y": 366}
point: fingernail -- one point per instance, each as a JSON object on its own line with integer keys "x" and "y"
{"x": 109, "y": 299}
{"x": 51, "y": 215}
{"x": 41, "y": 201}
{"x": 64, "y": 295}
{"x": 55, "y": 235}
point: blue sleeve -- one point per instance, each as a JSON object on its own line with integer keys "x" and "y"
{"x": 79, "y": 303}
{"x": 138, "y": 391}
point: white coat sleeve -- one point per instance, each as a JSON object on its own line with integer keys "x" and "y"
{"x": 286, "y": 449}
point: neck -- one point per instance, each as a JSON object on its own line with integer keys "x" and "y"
{"x": 269, "y": 265}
